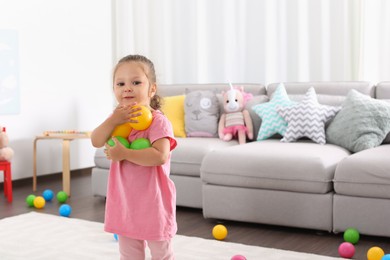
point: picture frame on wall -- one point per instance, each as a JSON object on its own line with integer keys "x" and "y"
{"x": 9, "y": 72}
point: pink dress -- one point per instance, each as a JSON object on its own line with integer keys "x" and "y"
{"x": 141, "y": 200}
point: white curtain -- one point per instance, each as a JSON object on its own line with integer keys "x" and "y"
{"x": 375, "y": 49}
{"x": 259, "y": 41}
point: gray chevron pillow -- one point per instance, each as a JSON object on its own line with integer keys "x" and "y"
{"x": 307, "y": 118}
{"x": 362, "y": 123}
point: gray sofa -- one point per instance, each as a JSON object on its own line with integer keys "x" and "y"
{"x": 300, "y": 184}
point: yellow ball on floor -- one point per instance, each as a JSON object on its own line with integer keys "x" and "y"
{"x": 39, "y": 202}
{"x": 220, "y": 232}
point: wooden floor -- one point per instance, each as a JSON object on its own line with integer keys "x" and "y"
{"x": 190, "y": 221}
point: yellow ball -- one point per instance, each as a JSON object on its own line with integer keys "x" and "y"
{"x": 39, "y": 202}
{"x": 375, "y": 253}
{"x": 144, "y": 120}
{"x": 122, "y": 130}
{"x": 220, "y": 232}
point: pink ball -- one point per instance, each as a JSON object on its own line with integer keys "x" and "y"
{"x": 346, "y": 250}
{"x": 238, "y": 257}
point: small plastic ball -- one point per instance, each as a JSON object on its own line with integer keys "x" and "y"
{"x": 65, "y": 210}
{"x": 220, "y": 232}
{"x": 30, "y": 200}
{"x": 39, "y": 202}
{"x": 375, "y": 253}
{"x": 48, "y": 195}
{"x": 116, "y": 237}
{"x": 238, "y": 257}
{"x": 346, "y": 250}
{"x": 122, "y": 130}
{"x": 144, "y": 120}
{"x": 351, "y": 235}
{"x": 140, "y": 143}
{"x": 386, "y": 257}
{"x": 121, "y": 139}
{"x": 62, "y": 196}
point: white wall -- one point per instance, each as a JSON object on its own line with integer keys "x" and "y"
{"x": 65, "y": 57}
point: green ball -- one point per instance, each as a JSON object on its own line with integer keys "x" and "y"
{"x": 140, "y": 143}
{"x": 30, "y": 200}
{"x": 351, "y": 235}
{"x": 62, "y": 196}
{"x": 121, "y": 139}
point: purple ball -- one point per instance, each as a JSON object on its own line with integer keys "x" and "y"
{"x": 346, "y": 250}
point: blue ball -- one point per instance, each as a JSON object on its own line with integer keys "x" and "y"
{"x": 48, "y": 195}
{"x": 386, "y": 257}
{"x": 65, "y": 210}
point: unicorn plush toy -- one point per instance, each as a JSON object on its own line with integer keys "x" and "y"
{"x": 235, "y": 122}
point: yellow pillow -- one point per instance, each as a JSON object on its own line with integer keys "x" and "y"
{"x": 173, "y": 108}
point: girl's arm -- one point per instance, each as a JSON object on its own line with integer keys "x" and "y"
{"x": 156, "y": 155}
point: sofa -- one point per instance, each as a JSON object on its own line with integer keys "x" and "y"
{"x": 297, "y": 184}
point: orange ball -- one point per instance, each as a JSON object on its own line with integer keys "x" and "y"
{"x": 122, "y": 130}
{"x": 144, "y": 120}
{"x": 220, "y": 232}
{"x": 375, "y": 253}
{"x": 39, "y": 202}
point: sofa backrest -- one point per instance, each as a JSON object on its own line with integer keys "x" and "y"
{"x": 166, "y": 90}
{"x": 328, "y": 93}
{"x": 382, "y": 92}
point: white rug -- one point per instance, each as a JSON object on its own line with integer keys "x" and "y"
{"x": 42, "y": 236}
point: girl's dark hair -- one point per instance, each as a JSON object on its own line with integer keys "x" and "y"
{"x": 150, "y": 73}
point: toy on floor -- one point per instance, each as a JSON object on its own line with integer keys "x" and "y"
{"x": 346, "y": 250}
{"x": 62, "y": 196}
{"x": 39, "y": 202}
{"x": 375, "y": 253}
{"x": 235, "y": 121}
{"x": 238, "y": 257}
{"x": 386, "y": 257}
{"x": 65, "y": 210}
{"x": 6, "y": 153}
{"x": 351, "y": 235}
{"x": 48, "y": 195}
{"x": 30, "y": 200}
{"x": 219, "y": 232}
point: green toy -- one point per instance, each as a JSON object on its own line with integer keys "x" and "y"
{"x": 140, "y": 143}
{"x": 30, "y": 200}
{"x": 62, "y": 196}
{"x": 121, "y": 139}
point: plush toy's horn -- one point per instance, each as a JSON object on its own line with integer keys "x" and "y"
{"x": 232, "y": 104}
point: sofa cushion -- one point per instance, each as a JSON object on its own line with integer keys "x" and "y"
{"x": 101, "y": 160}
{"x": 307, "y": 119}
{"x": 272, "y": 123}
{"x": 270, "y": 164}
{"x": 173, "y": 109}
{"x": 362, "y": 123}
{"x": 201, "y": 113}
{"x": 365, "y": 174}
{"x": 189, "y": 152}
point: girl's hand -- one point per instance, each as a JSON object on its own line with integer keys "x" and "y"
{"x": 116, "y": 152}
{"x": 125, "y": 114}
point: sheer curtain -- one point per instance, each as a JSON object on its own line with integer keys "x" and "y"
{"x": 375, "y": 40}
{"x": 260, "y": 41}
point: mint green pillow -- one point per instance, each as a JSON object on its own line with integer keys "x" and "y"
{"x": 362, "y": 123}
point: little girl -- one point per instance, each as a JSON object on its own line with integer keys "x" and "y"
{"x": 141, "y": 198}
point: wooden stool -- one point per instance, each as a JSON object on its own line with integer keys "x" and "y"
{"x": 5, "y": 166}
